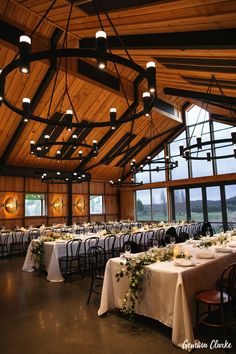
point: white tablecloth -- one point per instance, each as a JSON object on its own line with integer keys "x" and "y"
{"x": 52, "y": 251}
{"x": 167, "y": 291}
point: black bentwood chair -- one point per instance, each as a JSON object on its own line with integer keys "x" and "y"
{"x": 70, "y": 264}
{"x": 97, "y": 261}
{"x": 220, "y": 302}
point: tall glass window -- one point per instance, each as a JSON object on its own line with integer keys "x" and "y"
{"x": 159, "y": 176}
{"x": 180, "y": 204}
{"x": 143, "y": 204}
{"x": 230, "y": 196}
{"x": 159, "y": 204}
{"x": 223, "y": 131}
{"x": 35, "y": 204}
{"x": 182, "y": 170}
{"x": 196, "y": 207}
{"x": 96, "y": 204}
{"x": 214, "y": 204}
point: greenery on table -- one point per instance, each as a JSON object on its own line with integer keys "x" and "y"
{"x": 38, "y": 247}
{"x": 135, "y": 268}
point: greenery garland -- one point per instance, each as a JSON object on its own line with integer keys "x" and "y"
{"x": 37, "y": 251}
{"x": 135, "y": 268}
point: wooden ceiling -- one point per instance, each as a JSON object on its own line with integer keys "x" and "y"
{"x": 189, "y": 40}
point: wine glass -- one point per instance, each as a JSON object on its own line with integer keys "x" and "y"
{"x": 127, "y": 248}
{"x": 208, "y": 232}
{"x": 155, "y": 243}
{"x": 172, "y": 240}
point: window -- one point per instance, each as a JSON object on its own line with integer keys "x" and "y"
{"x": 214, "y": 204}
{"x": 230, "y": 196}
{"x": 96, "y": 204}
{"x": 159, "y": 205}
{"x": 35, "y": 205}
{"x": 196, "y": 207}
{"x": 223, "y": 131}
{"x": 143, "y": 204}
{"x": 161, "y": 175}
{"x": 182, "y": 170}
{"x": 180, "y": 205}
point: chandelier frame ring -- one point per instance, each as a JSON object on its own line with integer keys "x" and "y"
{"x": 76, "y": 53}
{"x": 188, "y": 148}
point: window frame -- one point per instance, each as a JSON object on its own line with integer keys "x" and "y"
{"x": 43, "y": 207}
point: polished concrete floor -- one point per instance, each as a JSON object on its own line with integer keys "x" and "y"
{"x": 38, "y": 317}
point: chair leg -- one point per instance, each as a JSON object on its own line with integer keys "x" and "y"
{"x": 91, "y": 289}
{"x": 197, "y": 318}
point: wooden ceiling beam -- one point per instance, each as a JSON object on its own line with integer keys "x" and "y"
{"x": 35, "y": 100}
{"x": 202, "y": 96}
{"x": 209, "y": 39}
{"x": 222, "y": 119}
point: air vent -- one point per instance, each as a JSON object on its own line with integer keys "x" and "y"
{"x": 88, "y": 6}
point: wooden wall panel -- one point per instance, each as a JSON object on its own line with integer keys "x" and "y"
{"x": 111, "y": 205}
{"x": 99, "y": 218}
{"x": 57, "y": 205}
{"x": 80, "y": 205}
{"x": 97, "y": 188}
{"x": 80, "y": 188}
{"x": 35, "y": 221}
{"x": 80, "y": 219}
{"x": 56, "y": 220}
{"x": 57, "y": 188}
{"x": 12, "y": 223}
{"x": 109, "y": 189}
{"x": 15, "y": 184}
{"x": 35, "y": 185}
{"x": 127, "y": 209}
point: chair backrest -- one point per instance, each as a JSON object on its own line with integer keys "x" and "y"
{"x": 159, "y": 236}
{"x": 97, "y": 260}
{"x": 147, "y": 237}
{"x": 228, "y": 281}
{"x": 90, "y": 242}
{"x": 73, "y": 248}
{"x": 177, "y": 231}
{"x": 123, "y": 238}
{"x": 137, "y": 237}
{"x": 109, "y": 242}
{"x": 17, "y": 236}
{"x": 4, "y": 238}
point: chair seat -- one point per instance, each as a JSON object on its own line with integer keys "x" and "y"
{"x": 69, "y": 258}
{"x": 211, "y": 297}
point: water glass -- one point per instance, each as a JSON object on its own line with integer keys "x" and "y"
{"x": 127, "y": 248}
{"x": 172, "y": 240}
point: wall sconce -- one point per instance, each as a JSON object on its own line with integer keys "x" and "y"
{"x": 11, "y": 205}
{"x": 57, "y": 205}
{"x": 80, "y": 204}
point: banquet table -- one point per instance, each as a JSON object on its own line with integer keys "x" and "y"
{"x": 167, "y": 290}
{"x": 52, "y": 251}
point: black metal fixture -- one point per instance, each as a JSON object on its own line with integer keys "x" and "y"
{"x": 38, "y": 149}
{"x": 191, "y": 150}
{"x": 60, "y": 177}
{"x": 164, "y": 164}
{"x": 102, "y": 54}
{"x": 121, "y": 183}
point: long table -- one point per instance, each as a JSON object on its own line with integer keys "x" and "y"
{"x": 167, "y": 291}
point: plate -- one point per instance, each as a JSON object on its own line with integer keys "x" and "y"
{"x": 223, "y": 249}
{"x": 193, "y": 242}
{"x": 206, "y": 255}
{"x": 182, "y": 262}
{"x": 232, "y": 244}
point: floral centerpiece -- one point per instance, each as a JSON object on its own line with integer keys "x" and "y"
{"x": 206, "y": 242}
{"x": 222, "y": 239}
{"x": 135, "y": 268}
{"x": 37, "y": 251}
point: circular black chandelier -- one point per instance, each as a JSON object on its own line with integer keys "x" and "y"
{"x": 188, "y": 153}
{"x": 120, "y": 183}
{"x": 165, "y": 164}
{"x": 38, "y": 149}
{"x": 191, "y": 151}
{"x": 60, "y": 177}
{"x": 102, "y": 56}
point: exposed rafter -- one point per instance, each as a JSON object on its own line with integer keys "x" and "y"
{"x": 211, "y": 39}
{"x": 223, "y": 119}
{"x": 35, "y": 100}
{"x": 202, "y": 96}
